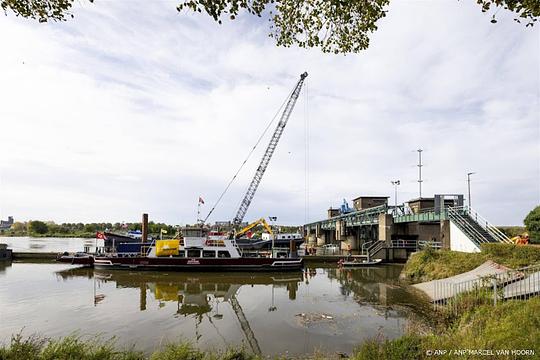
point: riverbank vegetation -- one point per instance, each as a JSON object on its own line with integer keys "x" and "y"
{"x": 37, "y": 228}
{"x": 76, "y": 348}
{"x": 511, "y": 325}
{"x": 431, "y": 264}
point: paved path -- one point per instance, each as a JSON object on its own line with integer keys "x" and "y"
{"x": 442, "y": 289}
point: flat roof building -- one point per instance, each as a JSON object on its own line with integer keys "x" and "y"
{"x": 366, "y": 202}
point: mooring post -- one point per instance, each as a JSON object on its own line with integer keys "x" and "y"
{"x": 144, "y": 228}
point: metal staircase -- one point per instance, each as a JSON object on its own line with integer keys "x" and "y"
{"x": 375, "y": 248}
{"x": 477, "y": 229}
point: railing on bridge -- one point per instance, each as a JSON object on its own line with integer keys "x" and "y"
{"x": 521, "y": 284}
{"x": 426, "y": 215}
{"x": 355, "y": 218}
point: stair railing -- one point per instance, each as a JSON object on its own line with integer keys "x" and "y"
{"x": 458, "y": 216}
{"x": 492, "y": 230}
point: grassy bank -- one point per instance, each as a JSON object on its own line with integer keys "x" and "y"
{"x": 76, "y": 348}
{"x": 438, "y": 264}
{"x": 507, "y": 326}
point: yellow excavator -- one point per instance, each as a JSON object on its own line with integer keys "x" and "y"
{"x": 522, "y": 239}
{"x": 261, "y": 221}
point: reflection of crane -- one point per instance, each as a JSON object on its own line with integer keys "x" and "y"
{"x": 244, "y": 324}
{"x": 250, "y": 193}
{"x": 261, "y": 221}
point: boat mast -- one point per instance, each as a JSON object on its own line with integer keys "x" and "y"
{"x": 250, "y": 193}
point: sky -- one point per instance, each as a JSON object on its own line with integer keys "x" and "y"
{"x": 132, "y": 107}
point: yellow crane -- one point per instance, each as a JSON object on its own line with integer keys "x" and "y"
{"x": 261, "y": 221}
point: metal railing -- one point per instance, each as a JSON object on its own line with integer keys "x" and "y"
{"x": 475, "y": 226}
{"x": 429, "y": 243}
{"x": 492, "y": 230}
{"x": 400, "y": 243}
{"x": 145, "y": 249}
{"x": 522, "y": 284}
{"x": 373, "y": 249}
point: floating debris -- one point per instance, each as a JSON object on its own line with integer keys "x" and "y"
{"x": 306, "y": 319}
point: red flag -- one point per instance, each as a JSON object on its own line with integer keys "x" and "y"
{"x": 201, "y": 201}
{"x": 100, "y": 235}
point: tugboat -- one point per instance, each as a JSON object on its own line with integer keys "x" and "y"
{"x": 196, "y": 251}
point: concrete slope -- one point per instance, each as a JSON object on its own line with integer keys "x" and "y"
{"x": 442, "y": 289}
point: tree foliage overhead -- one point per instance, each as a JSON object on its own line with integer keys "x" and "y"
{"x": 338, "y": 26}
{"x": 333, "y": 25}
{"x": 527, "y": 11}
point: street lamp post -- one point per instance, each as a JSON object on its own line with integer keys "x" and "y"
{"x": 469, "y": 187}
{"x": 395, "y": 183}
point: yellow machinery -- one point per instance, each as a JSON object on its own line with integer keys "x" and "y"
{"x": 522, "y": 239}
{"x": 261, "y": 221}
{"x": 167, "y": 247}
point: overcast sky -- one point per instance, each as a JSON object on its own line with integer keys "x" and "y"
{"x": 131, "y": 107}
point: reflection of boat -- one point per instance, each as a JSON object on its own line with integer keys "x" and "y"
{"x": 196, "y": 251}
{"x": 360, "y": 263}
{"x": 196, "y": 294}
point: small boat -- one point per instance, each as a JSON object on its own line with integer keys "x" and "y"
{"x": 359, "y": 263}
{"x": 198, "y": 250}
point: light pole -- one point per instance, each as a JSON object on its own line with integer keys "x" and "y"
{"x": 469, "y": 187}
{"x": 395, "y": 183}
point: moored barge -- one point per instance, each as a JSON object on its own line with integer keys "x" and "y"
{"x": 196, "y": 251}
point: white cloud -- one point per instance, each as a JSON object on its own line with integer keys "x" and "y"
{"x": 131, "y": 107}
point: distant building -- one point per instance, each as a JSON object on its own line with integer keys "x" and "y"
{"x": 427, "y": 204}
{"x": 5, "y": 225}
{"x": 333, "y": 212}
{"x": 366, "y": 202}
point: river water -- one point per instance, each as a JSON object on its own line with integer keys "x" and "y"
{"x": 320, "y": 308}
{"x": 51, "y": 244}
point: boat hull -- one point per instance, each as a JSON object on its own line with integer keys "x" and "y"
{"x": 189, "y": 264}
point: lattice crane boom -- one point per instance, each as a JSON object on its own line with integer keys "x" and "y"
{"x": 250, "y": 193}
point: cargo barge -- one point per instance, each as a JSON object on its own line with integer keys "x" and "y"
{"x": 198, "y": 250}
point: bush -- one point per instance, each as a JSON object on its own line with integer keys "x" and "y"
{"x": 532, "y": 223}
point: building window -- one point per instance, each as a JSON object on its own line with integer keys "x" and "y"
{"x": 182, "y": 253}
{"x": 208, "y": 254}
{"x": 193, "y": 253}
{"x": 224, "y": 254}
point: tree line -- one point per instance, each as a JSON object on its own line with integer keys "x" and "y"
{"x": 50, "y": 228}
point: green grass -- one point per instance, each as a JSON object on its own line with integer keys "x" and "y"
{"x": 509, "y": 325}
{"x": 433, "y": 264}
{"x": 76, "y": 348}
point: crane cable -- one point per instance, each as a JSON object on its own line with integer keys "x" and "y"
{"x": 306, "y": 155}
{"x": 247, "y": 158}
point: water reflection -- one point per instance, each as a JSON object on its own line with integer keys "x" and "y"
{"x": 269, "y": 313}
{"x": 195, "y": 294}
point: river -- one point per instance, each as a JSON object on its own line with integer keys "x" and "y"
{"x": 320, "y": 308}
{"x": 49, "y": 244}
